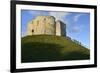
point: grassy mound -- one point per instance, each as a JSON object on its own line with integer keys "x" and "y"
{"x": 39, "y": 48}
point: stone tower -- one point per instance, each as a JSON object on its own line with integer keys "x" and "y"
{"x": 46, "y": 25}
{"x": 60, "y": 28}
{"x": 41, "y": 25}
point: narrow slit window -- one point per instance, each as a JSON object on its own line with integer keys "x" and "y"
{"x": 32, "y": 31}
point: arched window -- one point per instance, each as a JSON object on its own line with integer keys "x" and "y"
{"x": 32, "y": 31}
{"x": 44, "y": 19}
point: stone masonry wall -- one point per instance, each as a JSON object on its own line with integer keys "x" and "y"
{"x": 46, "y": 25}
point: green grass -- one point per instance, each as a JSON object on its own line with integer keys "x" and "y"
{"x": 39, "y": 48}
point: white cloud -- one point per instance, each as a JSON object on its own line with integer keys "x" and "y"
{"x": 37, "y": 13}
{"x": 77, "y": 29}
{"x": 59, "y": 15}
{"x": 76, "y": 17}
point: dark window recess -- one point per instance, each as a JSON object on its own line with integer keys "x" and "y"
{"x": 32, "y": 31}
{"x": 44, "y": 19}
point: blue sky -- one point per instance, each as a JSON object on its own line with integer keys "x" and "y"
{"x": 78, "y": 24}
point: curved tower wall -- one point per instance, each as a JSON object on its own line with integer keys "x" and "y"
{"x": 41, "y": 25}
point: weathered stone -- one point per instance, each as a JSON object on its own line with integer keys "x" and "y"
{"x": 46, "y": 25}
{"x": 60, "y": 28}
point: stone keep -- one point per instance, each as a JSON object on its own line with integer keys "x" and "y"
{"x": 60, "y": 28}
{"x": 42, "y": 25}
{"x": 46, "y": 25}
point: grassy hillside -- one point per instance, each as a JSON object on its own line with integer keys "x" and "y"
{"x": 38, "y": 48}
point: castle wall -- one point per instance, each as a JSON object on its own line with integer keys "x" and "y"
{"x": 42, "y": 25}
{"x": 60, "y": 28}
{"x": 63, "y": 29}
{"x": 46, "y": 25}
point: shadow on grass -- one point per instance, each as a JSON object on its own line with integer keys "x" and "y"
{"x": 41, "y": 52}
{"x": 76, "y": 55}
{"x": 36, "y": 52}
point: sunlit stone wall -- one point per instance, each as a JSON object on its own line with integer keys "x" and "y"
{"x": 46, "y": 25}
